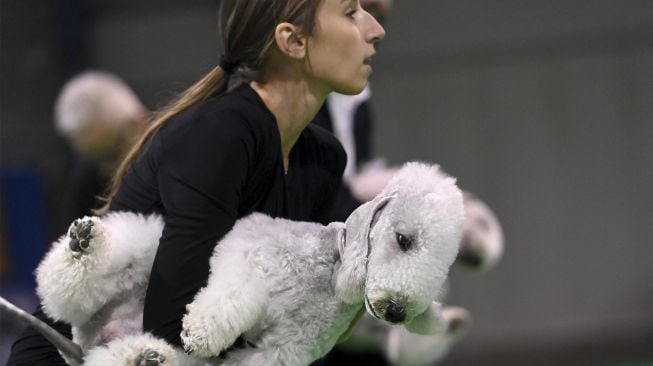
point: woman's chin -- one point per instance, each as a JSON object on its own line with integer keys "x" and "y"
{"x": 352, "y": 88}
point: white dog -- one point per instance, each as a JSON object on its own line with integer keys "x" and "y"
{"x": 481, "y": 247}
{"x": 290, "y": 289}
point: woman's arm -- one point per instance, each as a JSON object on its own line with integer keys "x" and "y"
{"x": 201, "y": 178}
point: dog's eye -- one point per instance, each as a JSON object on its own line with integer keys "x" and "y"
{"x": 405, "y": 242}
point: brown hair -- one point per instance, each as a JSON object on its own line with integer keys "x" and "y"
{"x": 247, "y": 28}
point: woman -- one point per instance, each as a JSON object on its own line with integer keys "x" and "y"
{"x": 214, "y": 156}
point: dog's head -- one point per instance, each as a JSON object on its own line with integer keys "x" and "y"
{"x": 398, "y": 247}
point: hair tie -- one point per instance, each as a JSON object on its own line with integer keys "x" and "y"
{"x": 227, "y": 65}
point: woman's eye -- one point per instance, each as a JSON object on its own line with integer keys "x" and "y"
{"x": 404, "y": 242}
{"x": 351, "y": 13}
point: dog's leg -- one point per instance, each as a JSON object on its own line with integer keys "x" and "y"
{"x": 431, "y": 321}
{"x": 69, "y": 272}
{"x": 406, "y": 348}
{"x": 231, "y": 304}
{"x": 140, "y": 350}
{"x": 94, "y": 262}
{"x": 288, "y": 354}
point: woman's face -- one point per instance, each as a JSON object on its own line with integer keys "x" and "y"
{"x": 342, "y": 45}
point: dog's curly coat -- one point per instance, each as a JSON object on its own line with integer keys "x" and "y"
{"x": 291, "y": 289}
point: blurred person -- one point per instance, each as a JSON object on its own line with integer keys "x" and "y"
{"x": 100, "y": 117}
{"x": 349, "y": 118}
{"x": 221, "y": 152}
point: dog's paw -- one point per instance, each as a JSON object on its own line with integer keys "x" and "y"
{"x": 195, "y": 343}
{"x": 83, "y": 234}
{"x": 201, "y": 338}
{"x": 150, "y": 357}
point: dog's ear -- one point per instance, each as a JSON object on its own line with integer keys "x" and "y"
{"x": 350, "y": 280}
{"x": 429, "y": 322}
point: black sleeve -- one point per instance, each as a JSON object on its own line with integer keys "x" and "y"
{"x": 201, "y": 178}
{"x": 345, "y": 202}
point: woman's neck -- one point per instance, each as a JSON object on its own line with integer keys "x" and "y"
{"x": 294, "y": 104}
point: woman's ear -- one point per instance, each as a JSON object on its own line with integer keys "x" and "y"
{"x": 290, "y": 40}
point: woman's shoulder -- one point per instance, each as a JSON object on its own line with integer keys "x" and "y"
{"x": 239, "y": 104}
{"x": 234, "y": 114}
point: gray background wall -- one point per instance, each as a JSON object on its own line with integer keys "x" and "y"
{"x": 543, "y": 108}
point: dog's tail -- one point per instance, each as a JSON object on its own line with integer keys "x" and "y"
{"x": 68, "y": 348}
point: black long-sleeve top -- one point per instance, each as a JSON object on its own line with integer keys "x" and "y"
{"x": 345, "y": 202}
{"x": 214, "y": 163}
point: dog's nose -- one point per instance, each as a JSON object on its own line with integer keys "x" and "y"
{"x": 395, "y": 313}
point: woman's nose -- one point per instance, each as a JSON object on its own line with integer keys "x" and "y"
{"x": 375, "y": 31}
